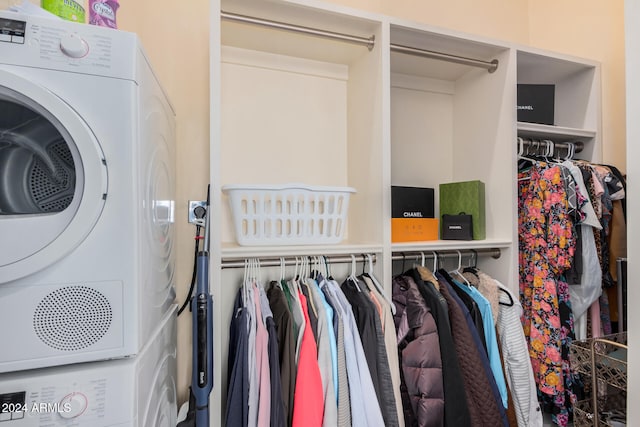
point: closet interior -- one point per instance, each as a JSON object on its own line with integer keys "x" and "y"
{"x": 310, "y": 92}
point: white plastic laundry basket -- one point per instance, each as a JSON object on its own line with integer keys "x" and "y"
{"x": 288, "y": 214}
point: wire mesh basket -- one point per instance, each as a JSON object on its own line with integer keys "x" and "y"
{"x": 611, "y": 411}
{"x": 602, "y": 364}
{"x": 288, "y": 214}
{"x": 609, "y": 356}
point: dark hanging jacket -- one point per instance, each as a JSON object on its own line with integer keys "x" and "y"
{"x": 419, "y": 354}
{"x": 456, "y": 411}
{"x": 483, "y": 405}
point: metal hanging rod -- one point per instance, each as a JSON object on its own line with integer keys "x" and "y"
{"x": 545, "y": 144}
{"x": 368, "y": 42}
{"x": 275, "y": 262}
{"x": 490, "y": 66}
{"x": 401, "y": 256}
{"x": 344, "y": 259}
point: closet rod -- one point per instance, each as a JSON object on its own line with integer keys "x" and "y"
{"x": 275, "y": 262}
{"x": 491, "y": 66}
{"x": 542, "y": 143}
{"x": 368, "y": 42}
{"x": 449, "y": 253}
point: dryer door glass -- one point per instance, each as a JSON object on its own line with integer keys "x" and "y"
{"x": 53, "y": 180}
{"x": 38, "y": 170}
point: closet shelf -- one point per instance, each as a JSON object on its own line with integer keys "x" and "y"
{"x": 557, "y": 133}
{"x": 232, "y": 250}
{"x": 441, "y": 245}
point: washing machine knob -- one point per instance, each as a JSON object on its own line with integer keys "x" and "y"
{"x": 73, "y": 405}
{"x": 73, "y": 45}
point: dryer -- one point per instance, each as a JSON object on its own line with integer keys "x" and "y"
{"x": 139, "y": 391}
{"x": 87, "y": 147}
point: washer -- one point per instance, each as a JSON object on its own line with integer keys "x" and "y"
{"x": 139, "y": 391}
{"x": 87, "y": 142}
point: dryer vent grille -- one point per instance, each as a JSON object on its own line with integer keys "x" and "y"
{"x": 72, "y": 318}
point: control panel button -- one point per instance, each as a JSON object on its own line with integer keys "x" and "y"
{"x": 5, "y": 37}
{"x": 73, "y": 405}
{"x": 17, "y": 39}
{"x": 73, "y": 46}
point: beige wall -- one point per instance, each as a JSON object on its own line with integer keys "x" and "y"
{"x": 176, "y": 38}
{"x": 588, "y": 28}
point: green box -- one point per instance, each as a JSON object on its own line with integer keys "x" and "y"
{"x": 467, "y": 197}
{"x": 66, "y": 9}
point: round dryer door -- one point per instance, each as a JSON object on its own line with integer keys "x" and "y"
{"x": 53, "y": 178}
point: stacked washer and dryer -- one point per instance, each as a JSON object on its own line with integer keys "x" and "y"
{"x": 87, "y": 148}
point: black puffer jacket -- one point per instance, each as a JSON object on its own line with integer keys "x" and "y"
{"x": 419, "y": 354}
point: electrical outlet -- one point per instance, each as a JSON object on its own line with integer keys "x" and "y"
{"x": 197, "y": 210}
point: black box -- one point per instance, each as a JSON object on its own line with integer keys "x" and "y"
{"x": 411, "y": 202}
{"x": 457, "y": 227}
{"x": 536, "y": 103}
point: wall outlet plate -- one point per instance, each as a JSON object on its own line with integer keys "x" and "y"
{"x": 197, "y": 210}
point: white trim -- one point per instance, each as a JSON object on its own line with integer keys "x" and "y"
{"x": 424, "y": 84}
{"x": 272, "y": 61}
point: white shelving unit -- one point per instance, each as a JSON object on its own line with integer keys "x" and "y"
{"x": 290, "y": 107}
{"x": 632, "y": 68}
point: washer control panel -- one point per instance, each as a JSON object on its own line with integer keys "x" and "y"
{"x": 87, "y": 401}
{"x": 32, "y": 41}
{"x": 12, "y": 30}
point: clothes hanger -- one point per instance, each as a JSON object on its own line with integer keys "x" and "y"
{"x": 377, "y": 284}
{"x": 293, "y": 283}
{"x": 571, "y": 151}
{"x": 258, "y": 267}
{"x": 244, "y": 282}
{"x": 352, "y": 276}
{"x": 457, "y": 270}
{"x": 425, "y": 273}
{"x": 510, "y": 298}
{"x": 327, "y": 268}
{"x": 548, "y": 150}
{"x": 525, "y": 161}
{"x": 282, "y": 268}
{"x": 473, "y": 263}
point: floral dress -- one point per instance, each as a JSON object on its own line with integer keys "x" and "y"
{"x": 546, "y": 247}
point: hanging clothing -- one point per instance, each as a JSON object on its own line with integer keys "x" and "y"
{"x": 311, "y": 309}
{"x": 517, "y": 364}
{"x": 484, "y": 408}
{"x": 487, "y": 287}
{"x": 490, "y": 338}
{"x": 344, "y": 404}
{"x": 419, "y": 354}
{"x": 324, "y": 358}
{"x": 327, "y": 310}
{"x": 286, "y": 346}
{"x": 262, "y": 363}
{"x": 254, "y": 379}
{"x": 456, "y": 406}
{"x": 308, "y": 404}
{"x": 296, "y": 307}
{"x": 390, "y": 344}
{"x": 474, "y": 311}
{"x": 365, "y": 409}
{"x": 368, "y": 323}
{"x": 237, "y": 409}
{"x": 546, "y": 247}
{"x": 277, "y": 414}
